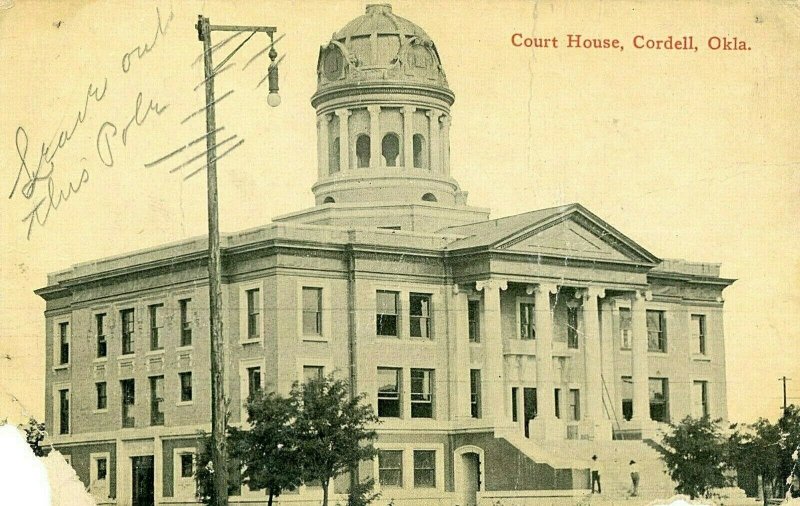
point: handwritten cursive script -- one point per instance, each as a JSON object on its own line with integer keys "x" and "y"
{"x": 141, "y": 51}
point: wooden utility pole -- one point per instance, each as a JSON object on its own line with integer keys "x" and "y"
{"x": 785, "y": 404}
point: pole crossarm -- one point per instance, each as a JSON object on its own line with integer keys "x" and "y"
{"x": 238, "y": 28}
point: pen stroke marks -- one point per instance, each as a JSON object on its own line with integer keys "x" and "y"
{"x": 140, "y": 52}
{"x": 109, "y": 130}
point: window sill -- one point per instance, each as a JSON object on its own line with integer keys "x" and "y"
{"x": 476, "y": 343}
{"x": 99, "y": 360}
{"x": 99, "y": 411}
{"x": 315, "y": 339}
{"x": 184, "y": 403}
{"x": 184, "y": 348}
{"x": 250, "y": 341}
{"x": 658, "y": 353}
{"x": 159, "y": 351}
{"x": 701, "y": 358}
{"x": 61, "y": 367}
{"x": 127, "y": 356}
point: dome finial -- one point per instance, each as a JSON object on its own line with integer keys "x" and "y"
{"x": 379, "y": 9}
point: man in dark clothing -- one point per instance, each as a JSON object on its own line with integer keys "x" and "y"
{"x": 596, "y": 475}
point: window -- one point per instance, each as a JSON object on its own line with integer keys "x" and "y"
{"x": 625, "y": 328}
{"x": 656, "y": 332}
{"x": 102, "y": 395}
{"x": 429, "y": 197}
{"x": 421, "y": 393}
{"x": 572, "y": 327}
{"x": 155, "y": 327}
{"x": 100, "y": 331}
{"x": 627, "y": 397}
{"x": 390, "y": 149}
{"x": 102, "y": 468}
{"x": 253, "y": 313}
{"x": 312, "y": 311}
{"x": 333, "y": 156}
{"x": 253, "y": 381}
{"x": 313, "y": 372}
{"x": 473, "y": 321}
{"x": 424, "y": 468}
{"x": 420, "y": 315}
{"x": 390, "y": 468}
{"x": 419, "y": 151}
{"x": 475, "y": 393}
{"x": 63, "y": 332}
{"x": 128, "y": 401}
{"x": 529, "y": 407}
{"x": 574, "y": 404}
{"x": 186, "y": 322}
{"x": 388, "y": 393}
{"x": 187, "y": 465}
{"x": 700, "y": 399}
{"x": 514, "y": 404}
{"x": 362, "y": 151}
{"x": 63, "y": 411}
{"x": 157, "y": 400}
{"x": 659, "y": 399}
{"x": 387, "y": 313}
{"x": 699, "y": 333}
{"x": 557, "y": 397}
{"x": 527, "y": 327}
{"x": 186, "y": 386}
{"x": 126, "y": 315}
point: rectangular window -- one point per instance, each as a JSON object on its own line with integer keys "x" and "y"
{"x": 420, "y": 315}
{"x": 421, "y": 393}
{"x": 128, "y": 325}
{"x": 574, "y": 404}
{"x": 253, "y": 381}
{"x": 388, "y": 393}
{"x": 186, "y": 322}
{"x": 625, "y": 328}
{"x": 102, "y": 468}
{"x": 390, "y": 468}
{"x": 527, "y": 325}
{"x": 100, "y": 332}
{"x": 700, "y": 399}
{"x": 557, "y": 400}
{"x": 572, "y": 327}
{"x": 627, "y": 397}
{"x": 128, "y": 401}
{"x": 63, "y": 411}
{"x": 312, "y": 311}
{"x": 313, "y": 372}
{"x": 514, "y": 405}
{"x": 386, "y": 313}
{"x": 529, "y": 407}
{"x": 155, "y": 327}
{"x": 102, "y": 395}
{"x": 475, "y": 392}
{"x": 253, "y": 313}
{"x": 187, "y": 465}
{"x": 699, "y": 333}
{"x": 157, "y": 400}
{"x": 474, "y": 321}
{"x": 63, "y": 331}
{"x": 656, "y": 332}
{"x": 659, "y": 399}
{"x": 186, "y": 386}
{"x": 424, "y": 468}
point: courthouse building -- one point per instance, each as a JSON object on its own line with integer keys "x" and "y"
{"x": 498, "y": 353}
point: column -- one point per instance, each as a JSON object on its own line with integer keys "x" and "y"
{"x": 641, "y": 390}
{"x": 322, "y": 146}
{"x": 435, "y": 146}
{"x": 593, "y": 360}
{"x": 608, "y": 352}
{"x": 545, "y": 425}
{"x": 375, "y": 159}
{"x": 493, "y": 375}
{"x": 445, "y": 142}
{"x": 408, "y": 136}
{"x": 344, "y": 139}
{"x": 459, "y": 346}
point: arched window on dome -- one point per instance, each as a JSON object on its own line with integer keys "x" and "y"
{"x": 329, "y": 200}
{"x": 420, "y": 160}
{"x": 333, "y": 156}
{"x": 429, "y": 197}
{"x": 362, "y": 150}
{"x": 390, "y": 149}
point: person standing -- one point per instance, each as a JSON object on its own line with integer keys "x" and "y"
{"x": 596, "y": 475}
{"x": 634, "y": 468}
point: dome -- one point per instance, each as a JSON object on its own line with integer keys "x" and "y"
{"x": 381, "y": 48}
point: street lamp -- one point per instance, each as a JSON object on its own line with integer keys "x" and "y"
{"x": 273, "y": 99}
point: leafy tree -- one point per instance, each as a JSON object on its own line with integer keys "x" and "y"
{"x": 35, "y": 434}
{"x": 204, "y": 472}
{"x": 332, "y": 429}
{"x": 789, "y": 426}
{"x": 755, "y": 448}
{"x": 694, "y": 452}
{"x": 361, "y": 494}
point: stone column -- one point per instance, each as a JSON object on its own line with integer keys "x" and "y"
{"x": 375, "y": 159}
{"x": 344, "y": 139}
{"x": 445, "y": 142}
{"x": 459, "y": 346}
{"x": 408, "y": 136}
{"x": 594, "y": 380}
{"x": 435, "y": 146}
{"x": 641, "y": 390}
{"x": 608, "y": 352}
{"x": 493, "y": 375}
{"x": 322, "y": 146}
{"x": 545, "y": 425}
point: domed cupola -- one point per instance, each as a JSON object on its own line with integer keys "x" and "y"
{"x": 383, "y": 115}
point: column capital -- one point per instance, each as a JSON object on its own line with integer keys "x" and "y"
{"x": 373, "y": 108}
{"x": 343, "y": 113}
{"x": 433, "y": 113}
{"x": 641, "y": 296}
{"x": 491, "y": 284}
{"x": 445, "y": 120}
{"x": 323, "y": 119}
{"x": 591, "y": 292}
{"x": 546, "y": 288}
{"x": 409, "y": 109}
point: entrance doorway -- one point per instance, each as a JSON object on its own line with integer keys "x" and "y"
{"x": 471, "y": 478}
{"x": 142, "y": 481}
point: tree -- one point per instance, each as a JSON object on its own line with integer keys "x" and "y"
{"x": 204, "y": 472}
{"x": 332, "y": 430}
{"x": 789, "y": 426}
{"x": 694, "y": 452}
{"x": 755, "y": 448}
{"x": 35, "y": 434}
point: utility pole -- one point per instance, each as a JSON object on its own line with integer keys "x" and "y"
{"x": 784, "y": 379}
{"x": 219, "y": 452}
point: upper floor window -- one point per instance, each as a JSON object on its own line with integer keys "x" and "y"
{"x": 312, "y": 311}
{"x": 557, "y": 396}
{"x": 699, "y": 333}
{"x": 100, "y": 331}
{"x": 527, "y": 327}
{"x": 186, "y": 322}
{"x": 313, "y": 373}
{"x": 63, "y": 411}
{"x": 429, "y": 197}
{"x": 625, "y": 328}
{"x": 102, "y": 395}
{"x": 475, "y": 392}
{"x": 186, "y": 386}
{"x": 157, "y": 400}
{"x": 333, "y": 156}
{"x": 572, "y": 327}
{"x": 699, "y": 399}
{"x": 424, "y": 468}
{"x": 362, "y": 151}
{"x": 421, "y": 393}
{"x": 253, "y": 381}
{"x": 659, "y": 399}
{"x": 390, "y": 468}
{"x": 656, "y": 331}
{"x": 63, "y": 333}
{"x": 390, "y": 149}
{"x": 420, "y": 315}
{"x": 128, "y": 401}
{"x": 388, "y": 392}
{"x": 155, "y": 326}
{"x": 473, "y": 320}
{"x": 420, "y": 161}
{"x": 387, "y": 313}
{"x": 574, "y": 404}
{"x": 128, "y": 326}
{"x": 253, "y": 313}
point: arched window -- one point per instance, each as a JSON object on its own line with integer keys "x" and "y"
{"x": 328, "y": 200}
{"x": 390, "y": 147}
{"x": 419, "y": 151}
{"x": 333, "y": 156}
{"x": 429, "y": 197}
{"x": 362, "y": 150}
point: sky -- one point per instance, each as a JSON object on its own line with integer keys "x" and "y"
{"x": 693, "y": 154}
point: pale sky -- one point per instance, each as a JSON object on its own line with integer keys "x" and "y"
{"x": 691, "y": 154}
